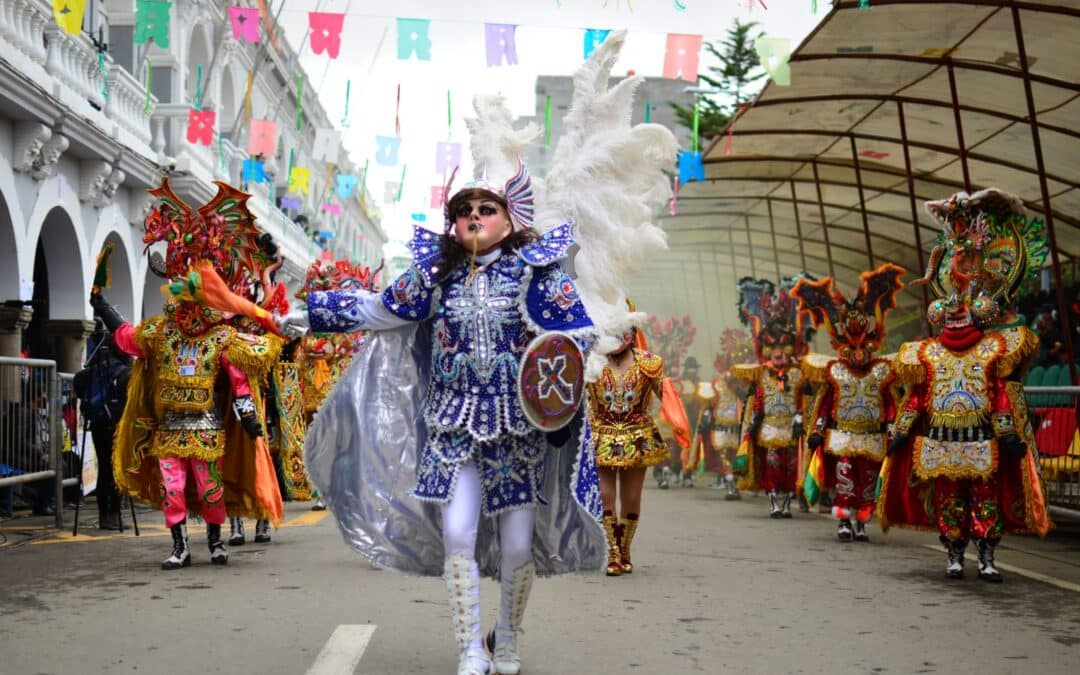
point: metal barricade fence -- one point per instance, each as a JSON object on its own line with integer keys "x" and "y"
{"x": 1055, "y": 412}
{"x": 30, "y": 435}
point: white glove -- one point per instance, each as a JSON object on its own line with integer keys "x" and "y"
{"x": 294, "y": 324}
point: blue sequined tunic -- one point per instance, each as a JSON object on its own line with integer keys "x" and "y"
{"x": 481, "y": 320}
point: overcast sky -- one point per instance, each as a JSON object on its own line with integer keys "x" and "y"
{"x": 549, "y": 41}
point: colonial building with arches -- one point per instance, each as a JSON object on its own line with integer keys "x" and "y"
{"x": 82, "y": 139}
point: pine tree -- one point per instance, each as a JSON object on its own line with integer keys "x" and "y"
{"x": 739, "y": 68}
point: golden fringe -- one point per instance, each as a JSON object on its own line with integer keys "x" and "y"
{"x": 748, "y": 372}
{"x": 163, "y": 447}
{"x": 965, "y": 420}
{"x": 255, "y": 359}
{"x": 816, "y": 367}
{"x": 1012, "y": 359}
{"x": 952, "y": 472}
{"x": 1036, "y": 515}
{"x": 907, "y": 364}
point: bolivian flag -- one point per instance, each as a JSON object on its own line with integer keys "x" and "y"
{"x": 814, "y": 484}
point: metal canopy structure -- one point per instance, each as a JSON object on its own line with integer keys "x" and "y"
{"x": 907, "y": 101}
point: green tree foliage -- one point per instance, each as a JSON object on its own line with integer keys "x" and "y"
{"x": 739, "y": 68}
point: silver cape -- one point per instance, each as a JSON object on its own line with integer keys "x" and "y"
{"x": 361, "y": 453}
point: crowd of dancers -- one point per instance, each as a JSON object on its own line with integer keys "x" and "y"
{"x": 521, "y": 402}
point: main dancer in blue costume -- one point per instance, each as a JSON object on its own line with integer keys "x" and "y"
{"x": 422, "y": 450}
{"x": 465, "y": 310}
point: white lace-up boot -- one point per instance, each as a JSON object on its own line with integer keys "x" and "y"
{"x": 462, "y": 578}
{"x": 503, "y": 640}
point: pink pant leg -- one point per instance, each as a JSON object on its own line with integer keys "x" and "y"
{"x": 173, "y": 482}
{"x": 211, "y": 490}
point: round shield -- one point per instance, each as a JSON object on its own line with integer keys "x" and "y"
{"x": 551, "y": 380}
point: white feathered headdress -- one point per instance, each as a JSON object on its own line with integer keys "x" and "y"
{"x": 606, "y": 176}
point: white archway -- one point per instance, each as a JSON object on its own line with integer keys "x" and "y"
{"x": 62, "y": 245}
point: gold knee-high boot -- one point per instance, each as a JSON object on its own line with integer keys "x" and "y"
{"x": 629, "y": 527}
{"x": 612, "y": 529}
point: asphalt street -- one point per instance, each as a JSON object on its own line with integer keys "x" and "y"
{"x": 718, "y": 587}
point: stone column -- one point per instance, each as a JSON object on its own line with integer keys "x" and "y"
{"x": 70, "y": 337}
{"x": 12, "y": 322}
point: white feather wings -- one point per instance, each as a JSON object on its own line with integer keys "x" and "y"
{"x": 606, "y": 175}
{"x": 609, "y": 177}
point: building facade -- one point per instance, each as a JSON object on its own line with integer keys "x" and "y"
{"x": 82, "y": 139}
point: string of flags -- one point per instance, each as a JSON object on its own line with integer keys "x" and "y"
{"x": 414, "y": 41}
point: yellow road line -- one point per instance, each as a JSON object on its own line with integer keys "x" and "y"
{"x": 303, "y": 520}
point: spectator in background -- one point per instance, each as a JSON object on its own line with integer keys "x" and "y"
{"x": 1045, "y": 325}
{"x": 102, "y": 390}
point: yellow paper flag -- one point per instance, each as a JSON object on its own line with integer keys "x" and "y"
{"x": 298, "y": 179}
{"x": 69, "y": 15}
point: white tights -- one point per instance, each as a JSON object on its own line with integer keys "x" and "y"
{"x": 461, "y": 521}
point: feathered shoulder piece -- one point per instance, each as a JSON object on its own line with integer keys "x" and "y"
{"x": 550, "y": 247}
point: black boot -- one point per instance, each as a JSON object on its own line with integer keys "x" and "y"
{"x": 262, "y": 531}
{"x": 987, "y": 571}
{"x": 774, "y": 504}
{"x": 219, "y": 555}
{"x": 955, "y": 553}
{"x": 181, "y": 555}
{"x": 843, "y": 531}
{"x": 785, "y": 506}
{"x": 236, "y": 531}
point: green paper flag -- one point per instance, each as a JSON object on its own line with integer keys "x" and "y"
{"x": 648, "y": 112}
{"x": 773, "y": 54}
{"x": 449, "y": 116}
{"x": 104, "y": 76}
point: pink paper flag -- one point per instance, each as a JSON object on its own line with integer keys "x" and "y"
{"x": 245, "y": 23}
{"x": 438, "y": 195}
{"x": 326, "y": 32}
{"x": 681, "y": 57}
{"x": 201, "y": 126}
{"x": 263, "y": 138}
{"x": 331, "y": 207}
{"x": 447, "y": 156}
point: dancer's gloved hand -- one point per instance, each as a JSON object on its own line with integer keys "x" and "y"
{"x": 797, "y": 428}
{"x": 108, "y": 314}
{"x": 898, "y": 441}
{"x": 559, "y": 437}
{"x": 294, "y": 324}
{"x": 1012, "y": 447}
{"x": 815, "y": 441}
{"x": 244, "y": 407}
